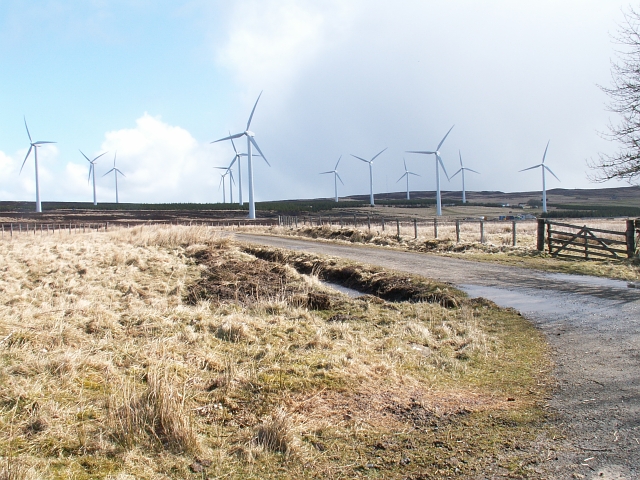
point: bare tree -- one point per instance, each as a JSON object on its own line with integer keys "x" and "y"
{"x": 624, "y": 97}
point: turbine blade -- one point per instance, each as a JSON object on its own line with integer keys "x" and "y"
{"x": 456, "y": 173}
{"x": 442, "y": 165}
{"x": 252, "y": 111}
{"x": 108, "y": 172}
{"x": 379, "y": 154}
{"x": 114, "y": 158}
{"x": 25, "y": 126}
{"x": 233, "y": 144}
{"x": 230, "y": 137}
{"x": 322, "y": 173}
{"x": 99, "y": 156}
{"x": 221, "y": 180}
{"x": 403, "y": 175}
{"x": 231, "y": 175}
{"x": 405, "y": 165}
{"x": 359, "y": 158}
{"x": 233, "y": 161}
{"x": 545, "y": 151}
{"x": 120, "y": 172}
{"x": 25, "y": 158}
{"x": 254, "y": 143}
{"x": 530, "y": 168}
{"x": 420, "y": 151}
{"x": 411, "y": 173}
{"x": 460, "y": 153}
{"x": 549, "y": 170}
{"x": 471, "y": 170}
{"x": 42, "y": 142}
{"x": 338, "y": 163}
{"x": 85, "y": 156}
{"x": 337, "y": 175}
{"x": 90, "y": 168}
{"x": 445, "y": 137}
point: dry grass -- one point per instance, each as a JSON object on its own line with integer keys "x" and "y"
{"x": 108, "y": 369}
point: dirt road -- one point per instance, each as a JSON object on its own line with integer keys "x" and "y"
{"x": 592, "y": 324}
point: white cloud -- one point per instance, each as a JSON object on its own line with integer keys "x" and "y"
{"x": 270, "y": 41}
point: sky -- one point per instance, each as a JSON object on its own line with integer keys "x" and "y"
{"x": 156, "y": 81}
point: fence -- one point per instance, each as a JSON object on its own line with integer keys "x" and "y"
{"x": 566, "y": 240}
{"x": 8, "y": 230}
{"x": 398, "y": 225}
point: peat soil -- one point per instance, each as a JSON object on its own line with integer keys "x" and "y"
{"x": 593, "y": 326}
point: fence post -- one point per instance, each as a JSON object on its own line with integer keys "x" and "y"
{"x": 398, "y": 227}
{"x": 106, "y": 226}
{"x": 382, "y": 222}
{"x": 435, "y": 228}
{"x": 369, "y": 221}
{"x": 514, "y": 235}
{"x": 631, "y": 238}
{"x": 457, "y": 231}
{"x": 35, "y": 227}
{"x": 481, "y": 231}
{"x": 415, "y": 228}
{"x": 12, "y": 230}
{"x": 540, "y": 243}
{"x": 296, "y": 221}
{"x": 355, "y": 223}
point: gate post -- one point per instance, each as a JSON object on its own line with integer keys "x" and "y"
{"x": 415, "y": 228}
{"x": 514, "y": 234}
{"x": 458, "y": 231}
{"x": 631, "y": 238}
{"x": 482, "y": 239}
{"x": 398, "y": 227}
{"x": 541, "y": 224}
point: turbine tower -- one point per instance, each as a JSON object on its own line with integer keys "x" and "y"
{"x": 237, "y": 157}
{"x": 461, "y": 171}
{"x": 543, "y": 167}
{"x": 370, "y": 162}
{"x": 34, "y": 146}
{"x": 92, "y": 171}
{"x": 406, "y": 174}
{"x": 115, "y": 174}
{"x": 336, "y": 177}
{"x": 438, "y": 165}
{"x": 250, "y": 142}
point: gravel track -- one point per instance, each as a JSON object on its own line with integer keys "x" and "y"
{"x": 593, "y": 327}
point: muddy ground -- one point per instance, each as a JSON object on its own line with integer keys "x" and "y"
{"x": 593, "y": 326}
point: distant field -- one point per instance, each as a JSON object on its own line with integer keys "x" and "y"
{"x": 564, "y": 203}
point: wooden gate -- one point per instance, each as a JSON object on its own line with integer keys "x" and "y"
{"x": 565, "y": 240}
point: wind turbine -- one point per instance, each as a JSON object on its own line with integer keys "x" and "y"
{"x": 229, "y": 172}
{"x": 34, "y": 146}
{"x": 336, "y": 177}
{"x": 250, "y": 142}
{"x": 544, "y": 183}
{"x": 370, "y": 162}
{"x": 92, "y": 171}
{"x": 115, "y": 174}
{"x": 462, "y": 169}
{"x": 438, "y": 164}
{"x": 406, "y": 174}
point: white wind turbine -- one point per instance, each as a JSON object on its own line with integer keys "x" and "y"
{"x": 34, "y": 146}
{"x": 370, "y": 162}
{"x": 250, "y": 142}
{"x": 438, "y": 165}
{"x": 115, "y": 174}
{"x": 461, "y": 171}
{"x": 92, "y": 172}
{"x": 406, "y": 174}
{"x": 336, "y": 177}
{"x": 544, "y": 183}
{"x": 227, "y": 171}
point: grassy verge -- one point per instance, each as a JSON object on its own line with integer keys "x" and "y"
{"x": 168, "y": 352}
{"x": 525, "y": 257}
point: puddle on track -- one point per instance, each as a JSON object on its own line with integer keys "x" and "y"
{"x": 346, "y": 290}
{"x": 588, "y": 280}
